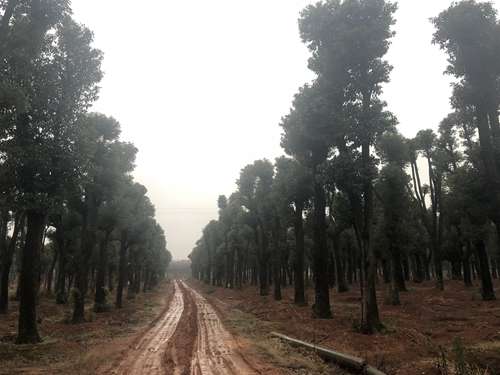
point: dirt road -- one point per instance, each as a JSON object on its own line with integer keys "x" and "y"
{"x": 189, "y": 339}
{"x": 147, "y": 356}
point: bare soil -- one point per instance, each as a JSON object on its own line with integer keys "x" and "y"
{"x": 417, "y": 333}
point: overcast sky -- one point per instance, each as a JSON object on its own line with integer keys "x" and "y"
{"x": 199, "y": 87}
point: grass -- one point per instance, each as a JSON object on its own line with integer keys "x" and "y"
{"x": 273, "y": 350}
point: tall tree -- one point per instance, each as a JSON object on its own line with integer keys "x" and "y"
{"x": 308, "y": 133}
{"x": 58, "y": 71}
{"x": 254, "y": 187}
{"x": 349, "y": 40}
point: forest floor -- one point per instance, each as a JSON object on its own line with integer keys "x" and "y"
{"x": 81, "y": 348}
{"x": 419, "y": 334}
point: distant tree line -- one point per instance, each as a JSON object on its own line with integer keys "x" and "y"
{"x": 354, "y": 201}
{"x": 72, "y": 220}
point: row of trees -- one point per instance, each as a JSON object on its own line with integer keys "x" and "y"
{"x": 71, "y": 216}
{"x": 355, "y": 199}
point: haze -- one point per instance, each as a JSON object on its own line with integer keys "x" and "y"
{"x": 200, "y": 88}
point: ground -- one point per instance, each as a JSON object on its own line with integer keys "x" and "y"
{"x": 77, "y": 349}
{"x": 428, "y": 324}
{"x": 192, "y": 328}
{"x": 172, "y": 330}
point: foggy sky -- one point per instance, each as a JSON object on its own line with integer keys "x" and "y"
{"x": 200, "y": 86}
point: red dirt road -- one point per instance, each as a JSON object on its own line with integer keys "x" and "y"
{"x": 146, "y": 357}
{"x": 215, "y": 352}
{"x": 189, "y": 339}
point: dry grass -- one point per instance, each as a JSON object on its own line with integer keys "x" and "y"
{"x": 274, "y": 351}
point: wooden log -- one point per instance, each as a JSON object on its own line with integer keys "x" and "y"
{"x": 344, "y": 360}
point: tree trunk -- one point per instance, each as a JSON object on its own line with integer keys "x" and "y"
{"x": 50, "y": 273}
{"x": 5, "y": 263}
{"x": 27, "y": 327}
{"x": 86, "y": 248}
{"x": 277, "y": 259}
{"x": 122, "y": 269}
{"x": 397, "y": 270}
{"x": 487, "y": 290}
{"x": 110, "y": 277}
{"x": 300, "y": 297}
{"x": 340, "y": 273}
{"x": 61, "y": 292}
{"x": 100, "y": 304}
{"x": 321, "y": 307}
{"x": 370, "y": 320}
{"x": 466, "y": 265}
{"x": 393, "y": 287}
{"x": 261, "y": 239}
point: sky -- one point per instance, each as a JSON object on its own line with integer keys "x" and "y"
{"x": 200, "y": 87}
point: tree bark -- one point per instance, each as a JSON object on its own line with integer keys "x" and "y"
{"x": 487, "y": 290}
{"x": 340, "y": 273}
{"x": 321, "y": 307}
{"x": 86, "y": 248}
{"x": 61, "y": 292}
{"x": 27, "y": 327}
{"x": 100, "y": 304}
{"x": 122, "y": 269}
{"x": 261, "y": 240}
{"x": 5, "y": 263}
{"x": 299, "y": 295}
{"x": 370, "y": 320}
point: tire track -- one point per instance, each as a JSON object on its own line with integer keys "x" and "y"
{"x": 147, "y": 356}
{"x": 179, "y": 349}
{"x": 215, "y": 351}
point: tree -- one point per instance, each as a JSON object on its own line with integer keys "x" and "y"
{"x": 308, "y": 135}
{"x": 108, "y": 163}
{"x": 293, "y": 185}
{"x": 468, "y": 31}
{"x": 40, "y": 129}
{"x": 254, "y": 188}
{"x": 349, "y": 40}
{"x": 392, "y": 189}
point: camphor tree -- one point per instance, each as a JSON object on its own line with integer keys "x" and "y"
{"x": 468, "y": 31}
{"x": 254, "y": 189}
{"x": 293, "y": 184}
{"x": 392, "y": 187}
{"x": 349, "y": 40}
{"x": 60, "y": 167}
{"x": 40, "y": 135}
{"x": 307, "y": 135}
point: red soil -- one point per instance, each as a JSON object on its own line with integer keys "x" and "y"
{"x": 82, "y": 348}
{"x": 426, "y": 320}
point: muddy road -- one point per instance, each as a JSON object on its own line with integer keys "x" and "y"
{"x": 189, "y": 339}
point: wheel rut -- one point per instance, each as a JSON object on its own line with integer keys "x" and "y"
{"x": 147, "y": 356}
{"x": 216, "y": 350}
{"x": 189, "y": 339}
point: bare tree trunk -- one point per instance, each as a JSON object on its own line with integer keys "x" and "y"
{"x": 370, "y": 320}
{"x": 86, "y": 248}
{"x": 321, "y": 307}
{"x": 27, "y": 328}
{"x": 122, "y": 269}
{"x": 300, "y": 298}
{"x": 487, "y": 290}
{"x": 100, "y": 304}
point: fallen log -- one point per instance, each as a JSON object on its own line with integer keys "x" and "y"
{"x": 344, "y": 360}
